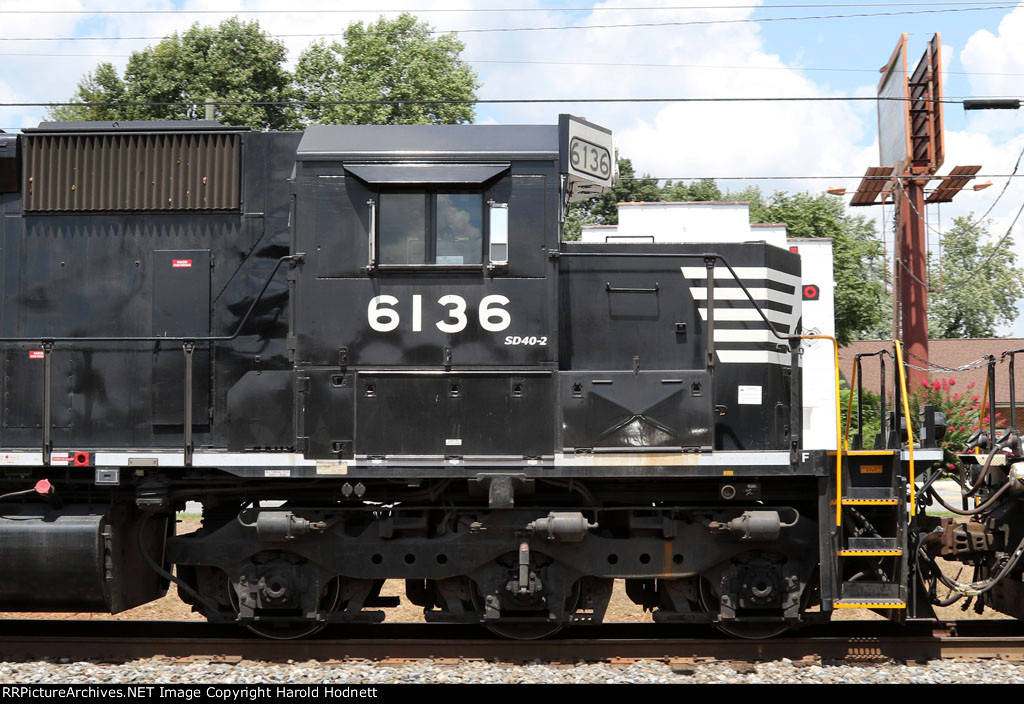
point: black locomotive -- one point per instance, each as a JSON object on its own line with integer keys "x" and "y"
{"x": 366, "y": 351}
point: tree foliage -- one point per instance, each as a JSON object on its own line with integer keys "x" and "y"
{"x": 857, "y": 255}
{"x": 604, "y": 210}
{"x": 100, "y": 87}
{"x": 234, "y": 62}
{"x": 397, "y": 59}
{"x": 703, "y": 190}
{"x": 861, "y": 304}
{"x": 978, "y": 285}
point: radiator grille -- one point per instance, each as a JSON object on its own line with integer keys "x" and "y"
{"x": 132, "y": 172}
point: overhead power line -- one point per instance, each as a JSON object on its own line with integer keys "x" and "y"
{"x": 449, "y": 10}
{"x": 486, "y": 101}
{"x": 596, "y": 64}
{"x": 834, "y": 177}
{"x": 623, "y": 25}
{"x": 1006, "y": 185}
{"x": 611, "y": 64}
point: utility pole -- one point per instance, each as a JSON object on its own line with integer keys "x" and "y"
{"x": 910, "y": 138}
{"x": 912, "y": 265}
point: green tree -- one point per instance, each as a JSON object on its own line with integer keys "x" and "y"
{"x": 234, "y": 62}
{"x": 858, "y": 258}
{"x": 99, "y": 87}
{"x": 604, "y": 210}
{"x": 977, "y": 287}
{"x": 398, "y": 60}
{"x": 705, "y": 189}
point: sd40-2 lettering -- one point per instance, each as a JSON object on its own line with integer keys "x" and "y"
{"x": 530, "y": 341}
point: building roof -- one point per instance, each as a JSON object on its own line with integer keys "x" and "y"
{"x": 951, "y": 354}
{"x": 685, "y": 202}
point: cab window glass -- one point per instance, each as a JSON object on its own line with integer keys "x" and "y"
{"x": 460, "y": 232}
{"x": 403, "y": 226}
{"x": 442, "y": 228}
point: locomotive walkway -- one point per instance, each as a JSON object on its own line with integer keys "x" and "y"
{"x": 857, "y": 642}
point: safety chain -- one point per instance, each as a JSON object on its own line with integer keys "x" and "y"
{"x": 979, "y": 363}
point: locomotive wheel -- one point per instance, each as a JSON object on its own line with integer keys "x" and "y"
{"x": 299, "y": 628}
{"x": 748, "y": 630}
{"x": 527, "y": 630}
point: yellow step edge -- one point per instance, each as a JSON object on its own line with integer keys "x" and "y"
{"x": 869, "y": 605}
{"x": 865, "y": 453}
{"x": 869, "y": 553}
{"x": 870, "y": 502}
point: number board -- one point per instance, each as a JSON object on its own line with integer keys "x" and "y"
{"x": 587, "y": 157}
{"x": 590, "y": 159}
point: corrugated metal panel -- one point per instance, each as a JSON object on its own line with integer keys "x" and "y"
{"x": 129, "y": 172}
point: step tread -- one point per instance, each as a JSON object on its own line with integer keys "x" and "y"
{"x": 869, "y": 604}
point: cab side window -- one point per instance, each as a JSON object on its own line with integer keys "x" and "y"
{"x": 431, "y": 227}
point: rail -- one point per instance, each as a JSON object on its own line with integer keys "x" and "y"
{"x": 862, "y": 642}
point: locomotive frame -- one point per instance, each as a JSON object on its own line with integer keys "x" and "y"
{"x": 439, "y": 391}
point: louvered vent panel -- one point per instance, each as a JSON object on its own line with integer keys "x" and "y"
{"x": 131, "y": 172}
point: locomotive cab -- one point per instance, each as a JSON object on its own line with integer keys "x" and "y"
{"x": 425, "y": 310}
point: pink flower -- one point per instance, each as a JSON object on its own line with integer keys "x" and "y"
{"x": 935, "y": 384}
{"x": 956, "y": 397}
{"x": 960, "y": 428}
{"x": 971, "y": 385}
{"x": 945, "y": 383}
{"x": 924, "y": 384}
{"x": 975, "y": 398}
{"x": 952, "y": 382}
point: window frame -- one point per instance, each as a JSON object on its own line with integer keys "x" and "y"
{"x": 430, "y": 218}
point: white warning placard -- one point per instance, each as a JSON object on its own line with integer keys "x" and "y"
{"x": 749, "y": 395}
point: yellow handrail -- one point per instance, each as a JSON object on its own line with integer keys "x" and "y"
{"x": 839, "y": 422}
{"x": 849, "y": 407}
{"x": 910, "y": 428}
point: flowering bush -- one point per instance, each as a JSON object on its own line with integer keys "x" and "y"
{"x": 962, "y": 409}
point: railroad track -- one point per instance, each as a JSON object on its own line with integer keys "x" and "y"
{"x": 863, "y": 641}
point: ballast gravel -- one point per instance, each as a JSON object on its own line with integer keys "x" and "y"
{"x": 166, "y": 671}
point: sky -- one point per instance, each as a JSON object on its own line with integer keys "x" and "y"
{"x": 672, "y": 48}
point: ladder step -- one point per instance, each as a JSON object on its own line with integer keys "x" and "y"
{"x": 869, "y": 604}
{"x": 870, "y": 591}
{"x": 869, "y": 553}
{"x": 870, "y": 496}
{"x": 858, "y": 544}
